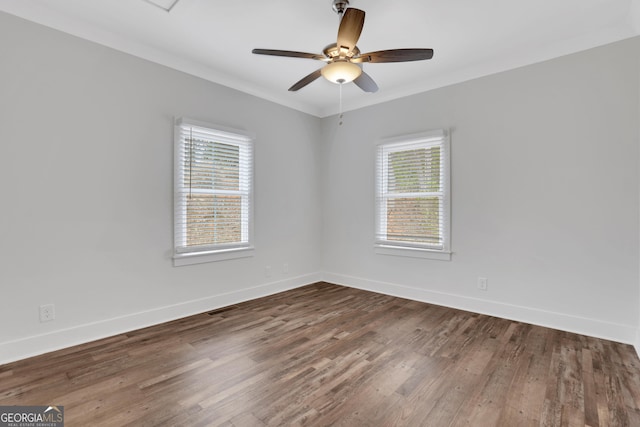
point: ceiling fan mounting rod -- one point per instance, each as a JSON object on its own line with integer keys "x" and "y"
{"x": 339, "y": 6}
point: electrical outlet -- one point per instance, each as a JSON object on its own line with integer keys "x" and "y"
{"x": 285, "y": 268}
{"x": 47, "y": 313}
{"x": 267, "y": 271}
{"x": 482, "y": 283}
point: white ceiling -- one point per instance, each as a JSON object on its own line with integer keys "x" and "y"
{"x": 213, "y": 39}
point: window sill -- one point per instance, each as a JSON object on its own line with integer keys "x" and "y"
{"x": 211, "y": 256}
{"x": 413, "y": 252}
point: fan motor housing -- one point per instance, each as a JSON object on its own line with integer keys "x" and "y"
{"x": 332, "y": 51}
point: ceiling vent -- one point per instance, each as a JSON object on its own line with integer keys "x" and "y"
{"x": 165, "y": 5}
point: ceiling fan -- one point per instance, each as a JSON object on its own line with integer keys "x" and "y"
{"x": 343, "y": 58}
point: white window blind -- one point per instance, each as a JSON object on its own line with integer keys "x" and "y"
{"x": 412, "y": 192}
{"x": 213, "y": 189}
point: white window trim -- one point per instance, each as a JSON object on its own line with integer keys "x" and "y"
{"x": 384, "y": 247}
{"x": 220, "y": 253}
{"x": 413, "y": 252}
{"x": 192, "y": 258}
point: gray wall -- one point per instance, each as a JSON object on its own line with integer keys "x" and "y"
{"x": 545, "y": 184}
{"x": 544, "y": 193}
{"x": 86, "y": 175}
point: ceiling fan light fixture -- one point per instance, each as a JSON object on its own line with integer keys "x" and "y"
{"x": 340, "y": 72}
{"x": 343, "y": 58}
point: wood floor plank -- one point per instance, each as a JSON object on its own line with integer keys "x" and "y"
{"x": 325, "y": 355}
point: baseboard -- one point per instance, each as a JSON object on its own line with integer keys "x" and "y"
{"x": 580, "y": 325}
{"x": 35, "y": 345}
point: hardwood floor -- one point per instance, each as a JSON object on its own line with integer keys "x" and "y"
{"x": 325, "y": 355}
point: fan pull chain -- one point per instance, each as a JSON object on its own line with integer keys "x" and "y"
{"x": 340, "y": 108}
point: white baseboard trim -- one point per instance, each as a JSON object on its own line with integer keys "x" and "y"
{"x": 580, "y": 325}
{"x": 39, "y": 344}
{"x": 23, "y": 348}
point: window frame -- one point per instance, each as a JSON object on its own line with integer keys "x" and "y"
{"x": 439, "y": 137}
{"x": 215, "y": 252}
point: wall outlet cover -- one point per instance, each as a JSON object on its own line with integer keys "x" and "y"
{"x": 47, "y": 312}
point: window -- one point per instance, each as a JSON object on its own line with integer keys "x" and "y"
{"x": 212, "y": 193}
{"x": 412, "y": 196}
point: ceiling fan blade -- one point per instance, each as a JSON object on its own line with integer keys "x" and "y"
{"x": 306, "y": 80}
{"x": 395, "y": 55}
{"x": 350, "y": 28}
{"x": 289, "y": 53}
{"x": 366, "y": 83}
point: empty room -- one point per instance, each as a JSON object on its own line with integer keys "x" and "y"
{"x": 320, "y": 212}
